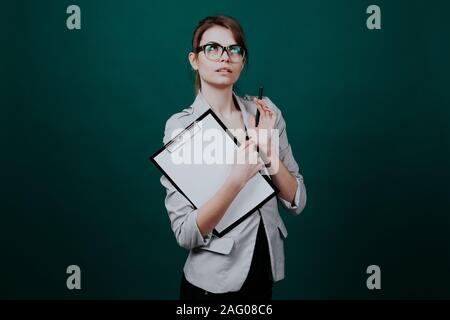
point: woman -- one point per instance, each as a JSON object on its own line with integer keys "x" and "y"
{"x": 246, "y": 261}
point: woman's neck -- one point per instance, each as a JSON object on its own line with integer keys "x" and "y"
{"x": 220, "y": 100}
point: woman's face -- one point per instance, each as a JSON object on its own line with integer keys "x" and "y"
{"x": 222, "y": 73}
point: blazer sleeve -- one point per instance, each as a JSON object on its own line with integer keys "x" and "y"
{"x": 286, "y": 156}
{"x": 182, "y": 215}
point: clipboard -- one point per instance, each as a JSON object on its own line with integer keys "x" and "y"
{"x": 199, "y": 182}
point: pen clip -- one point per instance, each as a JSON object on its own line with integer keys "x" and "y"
{"x": 184, "y": 136}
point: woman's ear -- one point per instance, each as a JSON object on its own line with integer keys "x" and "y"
{"x": 193, "y": 60}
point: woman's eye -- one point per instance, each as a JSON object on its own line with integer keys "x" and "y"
{"x": 236, "y": 50}
{"x": 211, "y": 47}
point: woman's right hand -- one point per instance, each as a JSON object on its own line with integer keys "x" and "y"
{"x": 246, "y": 163}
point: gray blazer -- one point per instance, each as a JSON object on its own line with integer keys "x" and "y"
{"x": 221, "y": 265}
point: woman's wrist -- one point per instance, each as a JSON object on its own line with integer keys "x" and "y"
{"x": 234, "y": 184}
{"x": 272, "y": 163}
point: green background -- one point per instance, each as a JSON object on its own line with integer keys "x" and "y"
{"x": 367, "y": 117}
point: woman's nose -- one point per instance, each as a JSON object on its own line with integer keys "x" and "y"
{"x": 224, "y": 56}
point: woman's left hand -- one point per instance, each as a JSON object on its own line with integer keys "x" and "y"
{"x": 263, "y": 133}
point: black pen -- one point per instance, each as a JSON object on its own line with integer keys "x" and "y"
{"x": 260, "y": 95}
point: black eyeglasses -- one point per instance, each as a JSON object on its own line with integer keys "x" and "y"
{"x": 214, "y": 51}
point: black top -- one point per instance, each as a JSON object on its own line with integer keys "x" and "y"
{"x": 260, "y": 272}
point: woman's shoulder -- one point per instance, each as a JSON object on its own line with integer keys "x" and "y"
{"x": 186, "y": 111}
{"x": 177, "y": 121}
{"x": 180, "y": 117}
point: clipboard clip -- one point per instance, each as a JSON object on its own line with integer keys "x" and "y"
{"x": 184, "y": 136}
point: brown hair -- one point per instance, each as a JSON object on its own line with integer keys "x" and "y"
{"x": 224, "y": 21}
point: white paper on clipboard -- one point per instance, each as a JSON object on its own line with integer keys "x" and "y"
{"x": 199, "y": 182}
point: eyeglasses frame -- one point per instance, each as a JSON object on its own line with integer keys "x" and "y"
{"x": 228, "y": 48}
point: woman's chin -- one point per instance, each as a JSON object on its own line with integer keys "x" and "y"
{"x": 222, "y": 83}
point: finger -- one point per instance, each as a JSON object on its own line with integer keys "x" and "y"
{"x": 248, "y": 143}
{"x": 266, "y": 107}
{"x": 259, "y": 105}
{"x": 263, "y": 104}
{"x": 243, "y": 145}
{"x": 257, "y": 169}
{"x": 252, "y": 140}
{"x": 265, "y": 110}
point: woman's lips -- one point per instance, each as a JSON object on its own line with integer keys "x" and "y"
{"x": 223, "y": 70}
